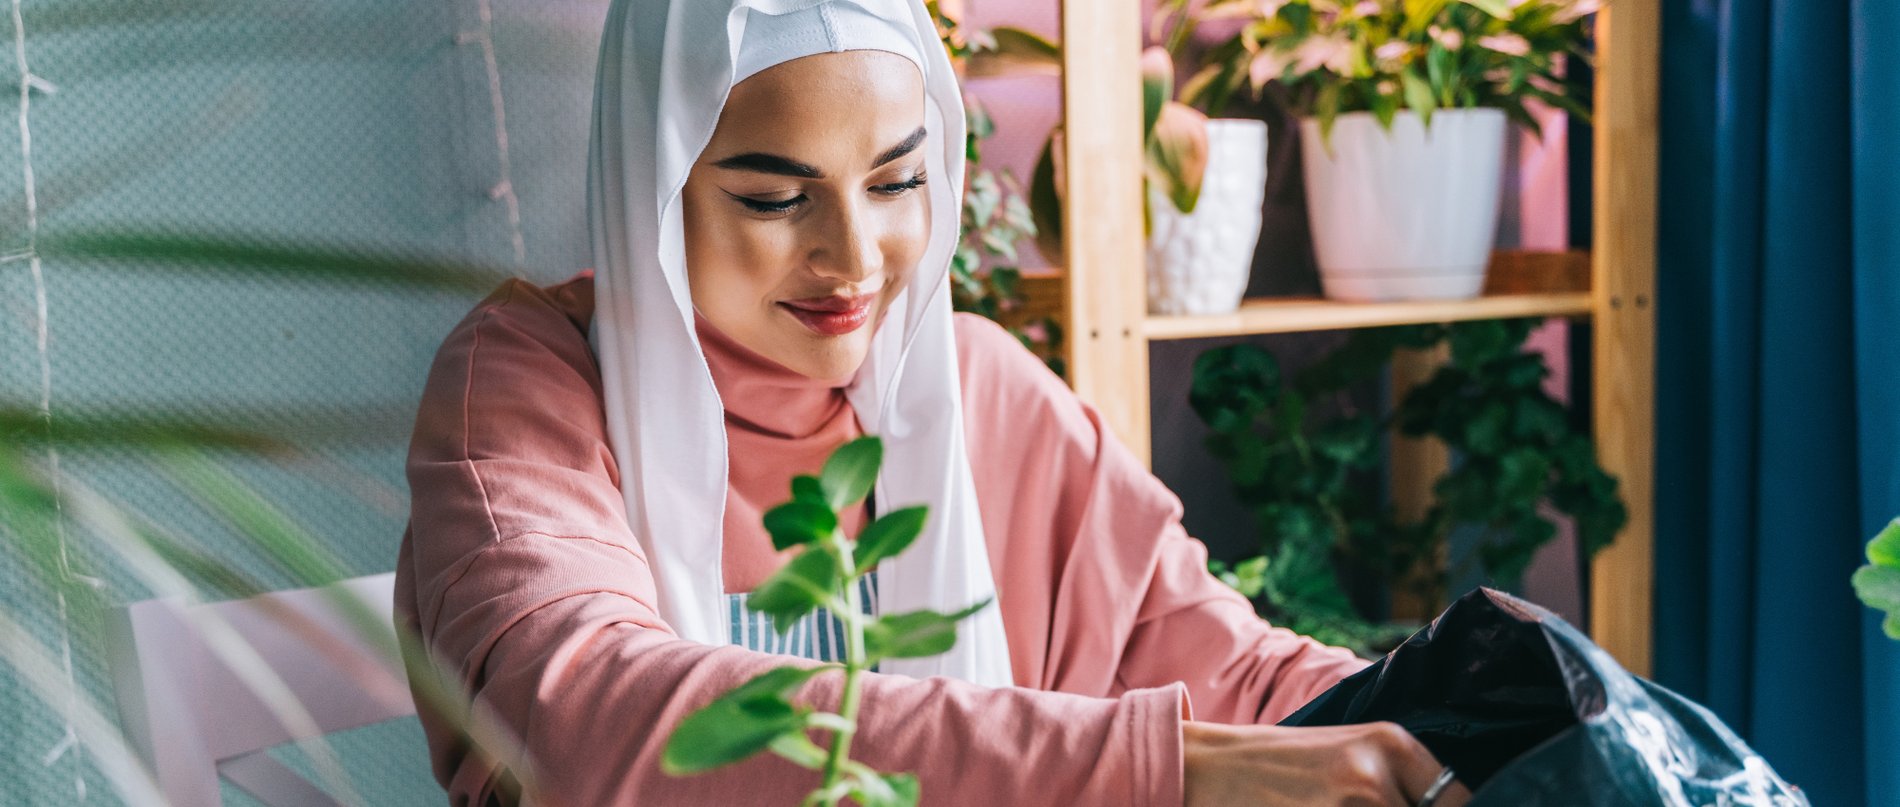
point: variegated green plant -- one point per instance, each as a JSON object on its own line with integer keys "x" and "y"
{"x": 1174, "y": 148}
{"x": 1878, "y": 583}
{"x": 985, "y": 276}
{"x": 760, "y": 715}
{"x": 1383, "y": 56}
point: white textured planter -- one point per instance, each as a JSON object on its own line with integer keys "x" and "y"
{"x": 1408, "y": 214}
{"x": 1198, "y": 263}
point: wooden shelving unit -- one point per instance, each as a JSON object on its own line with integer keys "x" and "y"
{"x": 1295, "y": 315}
{"x": 1102, "y": 293}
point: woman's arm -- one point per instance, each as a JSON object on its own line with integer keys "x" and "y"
{"x": 1132, "y": 602}
{"x": 1084, "y": 528}
{"x": 520, "y": 572}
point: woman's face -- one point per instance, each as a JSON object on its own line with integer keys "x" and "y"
{"x": 806, "y": 213}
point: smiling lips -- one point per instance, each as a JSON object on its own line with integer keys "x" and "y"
{"x": 835, "y": 315}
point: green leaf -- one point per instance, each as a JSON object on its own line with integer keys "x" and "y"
{"x": 800, "y": 586}
{"x": 904, "y": 791}
{"x": 1177, "y": 154}
{"x": 796, "y": 523}
{"x": 1014, "y": 51}
{"x": 798, "y": 749}
{"x": 1346, "y": 441}
{"x": 1500, "y": 9}
{"x": 1232, "y": 385}
{"x": 1326, "y": 110}
{"x": 1420, "y": 13}
{"x": 1879, "y": 587}
{"x": 739, "y": 724}
{"x": 888, "y": 535}
{"x": 1157, "y": 85}
{"x": 1384, "y": 108}
{"x": 1884, "y": 549}
{"x": 1045, "y": 198}
{"x": 917, "y": 634}
{"x": 1440, "y": 68}
{"x": 1418, "y": 94}
{"x": 251, "y": 259}
{"x": 808, "y": 489}
{"x": 850, "y": 472}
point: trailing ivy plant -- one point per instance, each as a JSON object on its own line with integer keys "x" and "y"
{"x": 1878, "y": 583}
{"x": 759, "y": 715}
{"x": 1309, "y": 477}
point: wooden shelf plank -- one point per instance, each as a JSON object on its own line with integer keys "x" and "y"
{"x": 1292, "y": 315}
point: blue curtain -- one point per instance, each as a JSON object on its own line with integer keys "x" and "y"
{"x": 1778, "y": 400}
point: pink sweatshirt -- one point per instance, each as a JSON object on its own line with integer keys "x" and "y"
{"x": 519, "y": 569}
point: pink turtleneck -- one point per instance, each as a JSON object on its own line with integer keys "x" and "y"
{"x": 520, "y": 572}
{"x": 779, "y": 424}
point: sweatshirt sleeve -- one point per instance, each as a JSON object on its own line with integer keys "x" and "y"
{"x": 1123, "y": 580}
{"x": 523, "y": 579}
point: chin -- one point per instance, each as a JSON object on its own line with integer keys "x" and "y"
{"x": 834, "y": 358}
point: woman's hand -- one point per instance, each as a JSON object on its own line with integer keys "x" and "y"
{"x": 1369, "y": 765}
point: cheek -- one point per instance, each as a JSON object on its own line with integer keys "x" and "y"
{"x": 733, "y": 261}
{"x": 906, "y": 236}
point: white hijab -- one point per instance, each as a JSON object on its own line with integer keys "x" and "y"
{"x": 666, "y": 67}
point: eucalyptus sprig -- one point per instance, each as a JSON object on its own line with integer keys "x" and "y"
{"x": 1878, "y": 583}
{"x": 759, "y": 715}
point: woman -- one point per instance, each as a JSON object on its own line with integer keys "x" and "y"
{"x": 774, "y": 198}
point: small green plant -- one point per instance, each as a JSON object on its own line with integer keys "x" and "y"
{"x": 1174, "y": 145}
{"x": 759, "y": 715}
{"x": 1309, "y": 478}
{"x": 1382, "y": 56}
{"x": 1878, "y": 583}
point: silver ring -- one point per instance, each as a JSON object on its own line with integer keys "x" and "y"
{"x": 1445, "y": 778}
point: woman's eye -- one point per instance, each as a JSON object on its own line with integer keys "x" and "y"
{"x": 769, "y": 206}
{"x": 898, "y": 188}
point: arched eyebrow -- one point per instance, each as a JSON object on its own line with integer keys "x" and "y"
{"x": 909, "y": 145}
{"x": 766, "y": 163}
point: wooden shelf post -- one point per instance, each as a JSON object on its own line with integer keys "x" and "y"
{"x": 1106, "y": 297}
{"x": 1624, "y": 300}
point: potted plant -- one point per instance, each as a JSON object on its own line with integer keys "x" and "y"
{"x": 1203, "y": 184}
{"x": 1206, "y": 179}
{"x": 1403, "y": 107}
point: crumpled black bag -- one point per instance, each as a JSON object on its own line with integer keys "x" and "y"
{"x": 1530, "y": 713}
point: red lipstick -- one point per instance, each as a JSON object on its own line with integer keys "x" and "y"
{"x": 834, "y": 315}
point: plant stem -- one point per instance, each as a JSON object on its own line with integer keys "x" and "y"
{"x": 854, "y": 664}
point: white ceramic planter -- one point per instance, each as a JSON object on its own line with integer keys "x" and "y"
{"x": 1408, "y": 214}
{"x": 1198, "y": 263}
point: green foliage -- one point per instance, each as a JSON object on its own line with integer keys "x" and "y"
{"x": 739, "y": 724}
{"x": 995, "y": 217}
{"x": 889, "y": 536}
{"x": 759, "y": 716}
{"x": 1249, "y": 577}
{"x": 850, "y": 472}
{"x": 1878, "y": 583}
{"x": 918, "y": 634}
{"x": 1309, "y": 479}
{"x": 1381, "y": 56}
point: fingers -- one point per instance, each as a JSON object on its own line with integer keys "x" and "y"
{"x": 1414, "y": 766}
{"x": 1454, "y": 796}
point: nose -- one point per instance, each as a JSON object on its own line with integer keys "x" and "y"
{"x": 848, "y": 246}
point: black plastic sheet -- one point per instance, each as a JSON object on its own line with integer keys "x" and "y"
{"x": 1530, "y": 713}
